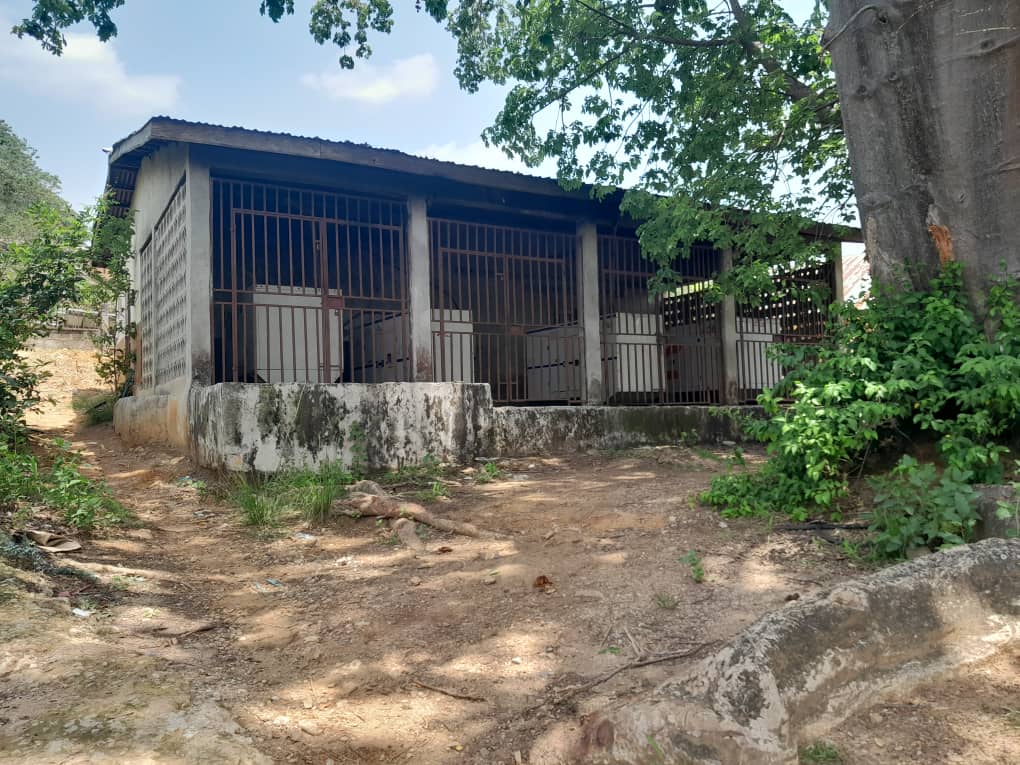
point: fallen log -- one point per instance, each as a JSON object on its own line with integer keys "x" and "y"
{"x": 370, "y": 499}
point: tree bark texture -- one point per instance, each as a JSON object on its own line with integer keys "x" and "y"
{"x": 930, "y": 97}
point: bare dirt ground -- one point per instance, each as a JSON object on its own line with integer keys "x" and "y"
{"x": 208, "y": 643}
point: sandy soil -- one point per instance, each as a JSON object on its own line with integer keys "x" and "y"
{"x": 211, "y": 644}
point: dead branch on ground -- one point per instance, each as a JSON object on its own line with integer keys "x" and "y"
{"x": 565, "y": 694}
{"x": 369, "y": 498}
{"x": 451, "y": 694}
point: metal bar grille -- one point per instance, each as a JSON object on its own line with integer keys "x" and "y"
{"x": 505, "y": 311}
{"x": 308, "y": 286}
{"x": 797, "y": 312}
{"x": 657, "y": 348}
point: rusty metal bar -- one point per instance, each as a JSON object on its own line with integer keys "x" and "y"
{"x": 662, "y": 348}
{"x": 505, "y": 310}
{"x": 336, "y": 305}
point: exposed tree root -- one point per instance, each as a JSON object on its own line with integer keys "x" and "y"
{"x": 451, "y": 694}
{"x": 565, "y": 694}
{"x": 368, "y": 498}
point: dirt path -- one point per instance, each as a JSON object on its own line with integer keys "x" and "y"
{"x": 331, "y": 644}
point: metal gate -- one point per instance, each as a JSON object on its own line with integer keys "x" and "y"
{"x": 796, "y": 312}
{"x": 308, "y": 286}
{"x": 658, "y": 347}
{"x": 505, "y": 311}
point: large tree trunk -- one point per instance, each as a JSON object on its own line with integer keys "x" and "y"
{"x": 930, "y": 94}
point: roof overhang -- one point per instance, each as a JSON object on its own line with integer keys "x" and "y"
{"x": 127, "y": 155}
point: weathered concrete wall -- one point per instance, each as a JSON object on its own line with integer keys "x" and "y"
{"x": 523, "y": 431}
{"x": 159, "y": 416}
{"x": 158, "y": 178}
{"x": 265, "y": 427}
{"x": 240, "y": 426}
{"x": 800, "y": 670}
{"x": 72, "y": 340}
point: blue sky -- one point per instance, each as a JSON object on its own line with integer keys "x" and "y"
{"x": 222, "y": 62}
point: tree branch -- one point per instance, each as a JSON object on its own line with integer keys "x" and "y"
{"x": 796, "y": 90}
{"x": 685, "y": 42}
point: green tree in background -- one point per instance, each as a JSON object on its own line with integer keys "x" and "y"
{"x": 707, "y": 107}
{"x": 22, "y": 184}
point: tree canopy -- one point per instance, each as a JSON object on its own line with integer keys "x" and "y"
{"x": 700, "y": 107}
{"x": 23, "y": 184}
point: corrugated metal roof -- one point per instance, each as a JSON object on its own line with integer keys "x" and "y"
{"x": 240, "y": 129}
{"x": 128, "y": 153}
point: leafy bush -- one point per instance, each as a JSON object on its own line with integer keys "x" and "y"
{"x": 915, "y": 507}
{"x": 913, "y": 366}
{"x": 26, "y": 486}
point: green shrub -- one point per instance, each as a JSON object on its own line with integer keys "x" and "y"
{"x": 911, "y": 367}
{"x": 915, "y": 507}
{"x": 84, "y": 503}
{"x": 264, "y": 500}
{"x": 697, "y": 565}
{"x": 490, "y": 472}
{"x": 258, "y": 508}
{"x": 820, "y": 753}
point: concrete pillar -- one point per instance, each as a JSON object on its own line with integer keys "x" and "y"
{"x": 588, "y": 295}
{"x": 199, "y": 224}
{"x": 729, "y": 336}
{"x": 420, "y": 290}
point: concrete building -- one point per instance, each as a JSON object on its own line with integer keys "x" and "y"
{"x": 299, "y": 300}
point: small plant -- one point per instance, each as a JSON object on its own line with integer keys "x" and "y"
{"x": 666, "y": 601}
{"x": 83, "y": 502}
{"x": 850, "y": 550}
{"x": 313, "y": 492}
{"x": 490, "y": 472}
{"x": 193, "y": 483}
{"x": 820, "y": 753}
{"x": 258, "y": 508}
{"x": 359, "y": 450}
{"x": 95, "y": 410}
{"x": 1012, "y": 717}
{"x": 264, "y": 501}
{"x": 737, "y": 458}
{"x": 436, "y": 490}
{"x": 689, "y": 437}
{"x": 1009, "y": 510}
{"x": 914, "y": 507}
{"x": 694, "y": 560}
{"x": 425, "y": 473}
{"x": 614, "y": 650}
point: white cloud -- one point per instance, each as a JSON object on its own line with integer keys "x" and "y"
{"x": 480, "y": 155}
{"x": 414, "y": 77}
{"x": 88, "y": 72}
